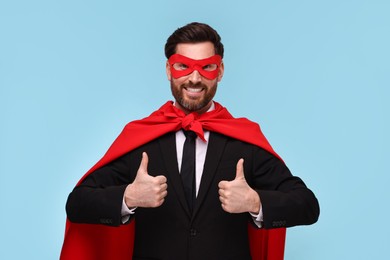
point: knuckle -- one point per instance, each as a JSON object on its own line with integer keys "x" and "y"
{"x": 161, "y": 179}
{"x": 222, "y": 184}
{"x": 225, "y": 208}
{"x": 158, "y": 203}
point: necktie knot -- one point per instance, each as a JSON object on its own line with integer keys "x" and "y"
{"x": 189, "y": 134}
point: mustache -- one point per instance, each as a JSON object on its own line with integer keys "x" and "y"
{"x": 191, "y": 85}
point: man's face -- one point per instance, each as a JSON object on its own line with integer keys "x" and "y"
{"x": 194, "y": 92}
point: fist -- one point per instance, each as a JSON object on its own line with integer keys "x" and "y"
{"x": 146, "y": 191}
{"x": 237, "y": 196}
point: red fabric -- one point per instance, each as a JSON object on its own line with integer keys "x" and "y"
{"x": 191, "y": 65}
{"x": 92, "y": 242}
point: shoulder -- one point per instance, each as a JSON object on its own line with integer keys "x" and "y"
{"x": 236, "y": 146}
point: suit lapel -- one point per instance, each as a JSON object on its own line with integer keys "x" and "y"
{"x": 169, "y": 155}
{"x": 215, "y": 150}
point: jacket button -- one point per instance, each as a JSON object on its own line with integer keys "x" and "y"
{"x": 193, "y": 232}
{"x": 106, "y": 221}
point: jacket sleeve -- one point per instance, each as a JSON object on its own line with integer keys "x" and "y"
{"x": 98, "y": 199}
{"x": 286, "y": 200}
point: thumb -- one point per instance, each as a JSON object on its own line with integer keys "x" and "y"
{"x": 240, "y": 169}
{"x": 143, "y": 167}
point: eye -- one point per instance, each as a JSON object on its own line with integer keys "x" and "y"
{"x": 180, "y": 66}
{"x": 210, "y": 67}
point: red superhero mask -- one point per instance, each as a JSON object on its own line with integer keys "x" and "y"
{"x": 183, "y": 66}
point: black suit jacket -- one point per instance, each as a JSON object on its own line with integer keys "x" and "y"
{"x": 170, "y": 231}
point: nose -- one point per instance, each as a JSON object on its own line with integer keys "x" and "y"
{"x": 195, "y": 77}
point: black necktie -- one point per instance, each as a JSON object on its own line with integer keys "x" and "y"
{"x": 188, "y": 168}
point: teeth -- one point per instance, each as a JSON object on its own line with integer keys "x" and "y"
{"x": 194, "y": 89}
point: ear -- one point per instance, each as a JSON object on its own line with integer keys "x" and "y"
{"x": 221, "y": 70}
{"x": 168, "y": 71}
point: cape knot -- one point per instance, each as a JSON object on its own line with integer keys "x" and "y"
{"x": 190, "y": 122}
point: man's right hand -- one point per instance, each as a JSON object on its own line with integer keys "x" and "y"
{"x": 146, "y": 191}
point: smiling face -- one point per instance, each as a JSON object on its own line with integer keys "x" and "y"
{"x": 194, "y": 92}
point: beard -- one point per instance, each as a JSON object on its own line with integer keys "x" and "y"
{"x": 193, "y": 105}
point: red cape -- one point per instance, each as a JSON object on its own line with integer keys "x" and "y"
{"x": 92, "y": 242}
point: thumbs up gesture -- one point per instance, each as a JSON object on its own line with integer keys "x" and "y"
{"x": 237, "y": 196}
{"x": 146, "y": 191}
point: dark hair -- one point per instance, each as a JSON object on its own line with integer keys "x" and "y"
{"x": 193, "y": 33}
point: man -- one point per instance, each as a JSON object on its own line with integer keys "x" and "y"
{"x": 190, "y": 176}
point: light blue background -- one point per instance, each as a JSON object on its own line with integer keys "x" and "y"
{"x": 314, "y": 74}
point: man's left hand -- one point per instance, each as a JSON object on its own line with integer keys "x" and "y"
{"x": 237, "y": 196}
